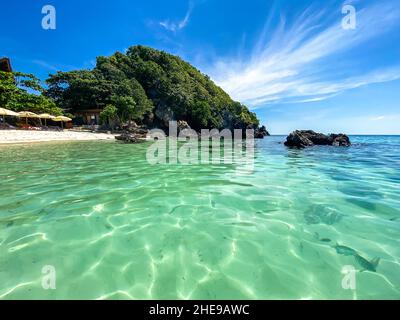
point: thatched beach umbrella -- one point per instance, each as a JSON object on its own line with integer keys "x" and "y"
{"x": 6, "y": 112}
{"x": 46, "y": 116}
{"x": 62, "y": 119}
{"x": 27, "y": 114}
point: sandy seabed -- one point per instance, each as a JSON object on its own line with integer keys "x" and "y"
{"x": 26, "y": 136}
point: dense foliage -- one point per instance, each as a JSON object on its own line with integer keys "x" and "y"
{"x": 15, "y": 95}
{"x": 152, "y": 87}
{"x": 109, "y": 115}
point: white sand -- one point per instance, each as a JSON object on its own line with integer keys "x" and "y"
{"x": 26, "y": 136}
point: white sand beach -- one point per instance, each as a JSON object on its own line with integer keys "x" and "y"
{"x": 27, "y": 136}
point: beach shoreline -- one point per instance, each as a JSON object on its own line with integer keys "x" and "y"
{"x": 31, "y": 136}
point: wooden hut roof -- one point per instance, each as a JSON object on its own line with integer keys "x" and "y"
{"x": 5, "y": 65}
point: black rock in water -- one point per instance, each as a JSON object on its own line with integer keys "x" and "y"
{"x": 308, "y": 138}
{"x": 298, "y": 139}
{"x": 340, "y": 140}
{"x": 129, "y": 138}
{"x": 261, "y": 132}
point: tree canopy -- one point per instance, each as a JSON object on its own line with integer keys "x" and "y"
{"x": 17, "y": 94}
{"x": 150, "y": 86}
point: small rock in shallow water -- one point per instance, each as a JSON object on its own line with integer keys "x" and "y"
{"x": 128, "y": 138}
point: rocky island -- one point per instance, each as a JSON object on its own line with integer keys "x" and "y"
{"x": 308, "y": 138}
{"x": 151, "y": 88}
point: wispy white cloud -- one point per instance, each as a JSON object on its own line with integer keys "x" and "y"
{"x": 176, "y": 26}
{"x": 45, "y": 65}
{"x": 378, "y": 118}
{"x": 52, "y": 67}
{"x": 385, "y": 117}
{"x": 298, "y": 62}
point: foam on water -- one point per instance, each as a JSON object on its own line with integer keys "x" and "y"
{"x": 115, "y": 227}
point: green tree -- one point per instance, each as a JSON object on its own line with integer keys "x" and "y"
{"x": 109, "y": 115}
{"x": 200, "y": 115}
{"x": 80, "y": 89}
{"x": 14, "y": 94}
{"x": 8, "y": 89}
{"x": 126, "y": 107}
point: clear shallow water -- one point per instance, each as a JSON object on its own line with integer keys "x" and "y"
{"x": 114, "y": 227}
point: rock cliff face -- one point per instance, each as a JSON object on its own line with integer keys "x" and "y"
{"x": 308, "y": 138}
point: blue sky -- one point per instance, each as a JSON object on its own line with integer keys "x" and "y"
{"x": 289, "y": 61}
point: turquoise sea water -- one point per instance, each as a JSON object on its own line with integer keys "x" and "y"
{"x": 115, "y": 227}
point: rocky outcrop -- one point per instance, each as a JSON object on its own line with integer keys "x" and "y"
{"x": 261, "y": 132}
{"x": 340, "y": 140}
{"x": 308, "y": 138}
{"x": 182, "y": 125}
{"x": 129, "y": 138}
{"x": 298, "y": 139}
{"x": 133, "y": 133}
{"x": 136, "y": 130}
